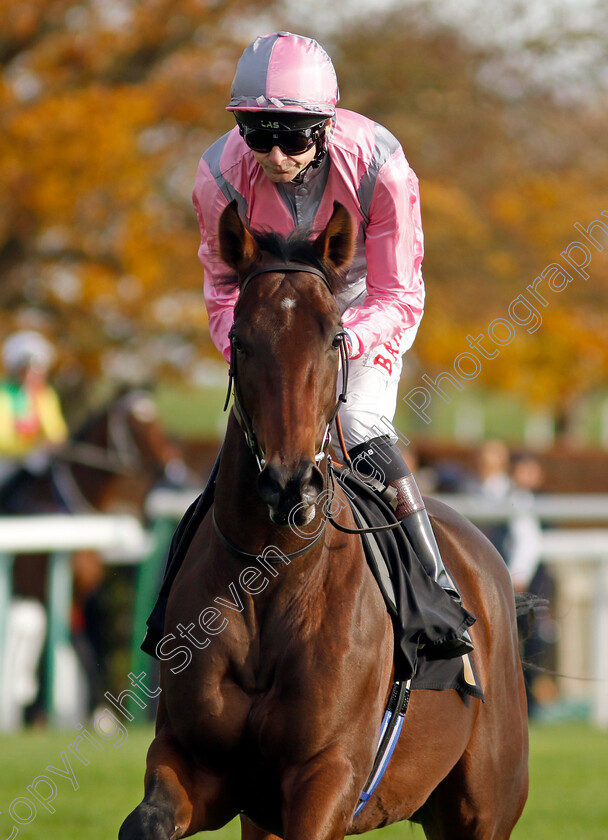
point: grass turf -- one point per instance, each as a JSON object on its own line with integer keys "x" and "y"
{"x": 569, "y": 776}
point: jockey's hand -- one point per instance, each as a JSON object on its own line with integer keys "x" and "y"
{"x": 353, "y": 344}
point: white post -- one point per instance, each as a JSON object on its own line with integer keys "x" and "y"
{"x": 539, "y": 431}
{"x": 604, "y": 424}
{"x": 599, "y": 647}
{"x": 6, "y": 568}
{"x": 469, "y": 421}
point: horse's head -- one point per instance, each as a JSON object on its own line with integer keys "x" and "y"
{"x": 118, "y": 454}
{"x": 136, "y": 437}
{"x": 286, "y": 340}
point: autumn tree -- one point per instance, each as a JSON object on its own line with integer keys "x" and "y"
{"x": 506, "y": 171}
{"x": 105, "y": 109}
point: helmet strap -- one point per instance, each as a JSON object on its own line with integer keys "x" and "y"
{"x": 316, "y": 161}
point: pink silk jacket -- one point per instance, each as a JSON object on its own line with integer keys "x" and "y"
{"x": 366, "y": 171}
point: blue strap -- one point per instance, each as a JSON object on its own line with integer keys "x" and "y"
{"x": 390, "y": 730}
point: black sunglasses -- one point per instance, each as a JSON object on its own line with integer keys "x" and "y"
{"x": 294, "y": 142}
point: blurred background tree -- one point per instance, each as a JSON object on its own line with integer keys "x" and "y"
{"x": 105, "y": 110}
{"x": 508, "y": 161}
{"x": 106, "y": 106}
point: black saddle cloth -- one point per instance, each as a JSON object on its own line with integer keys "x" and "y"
{"x": 421, "y": 611}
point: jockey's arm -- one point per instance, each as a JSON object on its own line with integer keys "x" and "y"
{"x": 394, "y": 250}
{"x": 219, "y": 299}
{"x": 53, "y": 425}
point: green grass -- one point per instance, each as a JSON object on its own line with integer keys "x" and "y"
{"x": 569, "y": 777}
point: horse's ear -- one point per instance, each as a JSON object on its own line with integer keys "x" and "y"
{"x": 238, "y": 248}
{"x": 336, "y": 243}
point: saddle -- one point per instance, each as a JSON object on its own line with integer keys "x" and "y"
{"x": 417, "y": 607}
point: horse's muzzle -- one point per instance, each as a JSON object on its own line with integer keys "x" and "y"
{"x": 290, "y": 493}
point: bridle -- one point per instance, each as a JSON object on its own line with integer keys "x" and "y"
{"x": 240, "y": 412}
{"x": 245, "y": 422}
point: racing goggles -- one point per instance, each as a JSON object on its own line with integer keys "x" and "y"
{"x": 292, "y": 142}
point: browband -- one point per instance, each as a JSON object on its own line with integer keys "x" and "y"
{"x": 283, "y": 267}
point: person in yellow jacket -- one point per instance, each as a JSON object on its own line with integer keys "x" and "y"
{"x": 31, "y": 419}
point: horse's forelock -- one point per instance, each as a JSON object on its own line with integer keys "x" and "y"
{"x": 296, "y": 247}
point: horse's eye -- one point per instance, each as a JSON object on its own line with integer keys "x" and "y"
{"x": 237, "y": 343}
{"x": 338, "y": 339}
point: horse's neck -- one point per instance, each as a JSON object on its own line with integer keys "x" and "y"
{"x": 235, "y": 495}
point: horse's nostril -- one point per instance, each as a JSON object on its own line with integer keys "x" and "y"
{"x": 270, "y": 485}
{"x": 282, "y": 488}
{"x": 312, "y": 483}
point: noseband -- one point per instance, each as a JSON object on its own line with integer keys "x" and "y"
{"x": 239, "y": 411}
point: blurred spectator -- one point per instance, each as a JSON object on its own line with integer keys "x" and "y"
{"x": 31, "y": 419}
{"x": 530, "y": 575}
{"x": 493, "y": 469}
{"x": 31, "y": 424}
{"x": 524, "y": 530}
{"x": 494, "y": 483}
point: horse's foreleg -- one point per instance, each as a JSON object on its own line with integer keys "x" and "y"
{"x": 249, "y": 831}
{"x": 319, "y": 799}
{"x": 180, "y": 797}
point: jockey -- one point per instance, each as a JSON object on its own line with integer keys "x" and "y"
{"x": 31, "y": 420}
{"x": 291, "y": 155}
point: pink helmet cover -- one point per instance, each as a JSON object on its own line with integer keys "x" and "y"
{"x": 287, "y": 72}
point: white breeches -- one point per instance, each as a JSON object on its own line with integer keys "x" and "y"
{"x": 373, "y": 383}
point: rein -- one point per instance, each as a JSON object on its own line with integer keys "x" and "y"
{"x": 121, "y": 456}
{"x": 249, "y": 557}
{"x": 370, "y": 529}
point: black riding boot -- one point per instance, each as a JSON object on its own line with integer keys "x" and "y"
{"x": 381, "y": 459}
{"x": 417, "y": 525}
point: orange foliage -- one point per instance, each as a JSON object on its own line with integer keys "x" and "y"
{"x": 502, "y": 185}
{"x": 105, "y": 109}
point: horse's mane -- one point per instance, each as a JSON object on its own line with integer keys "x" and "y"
{"x": 295, "y": 247}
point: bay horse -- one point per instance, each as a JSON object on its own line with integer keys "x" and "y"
{"x": 109, "y": 465}
{"x": 271, "y": 705}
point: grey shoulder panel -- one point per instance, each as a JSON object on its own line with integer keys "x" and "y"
{"x": 386, "y": 145}
{"x": 213, "y": 157}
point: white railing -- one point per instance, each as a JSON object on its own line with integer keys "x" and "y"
{"x": 122, "y": 540}
{"x": 579, "y": 561}
{"x": 548, "y": 507}
{"x": 572, "y": 551}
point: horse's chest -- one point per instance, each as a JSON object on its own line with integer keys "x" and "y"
{"x": 248, "y": 707}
